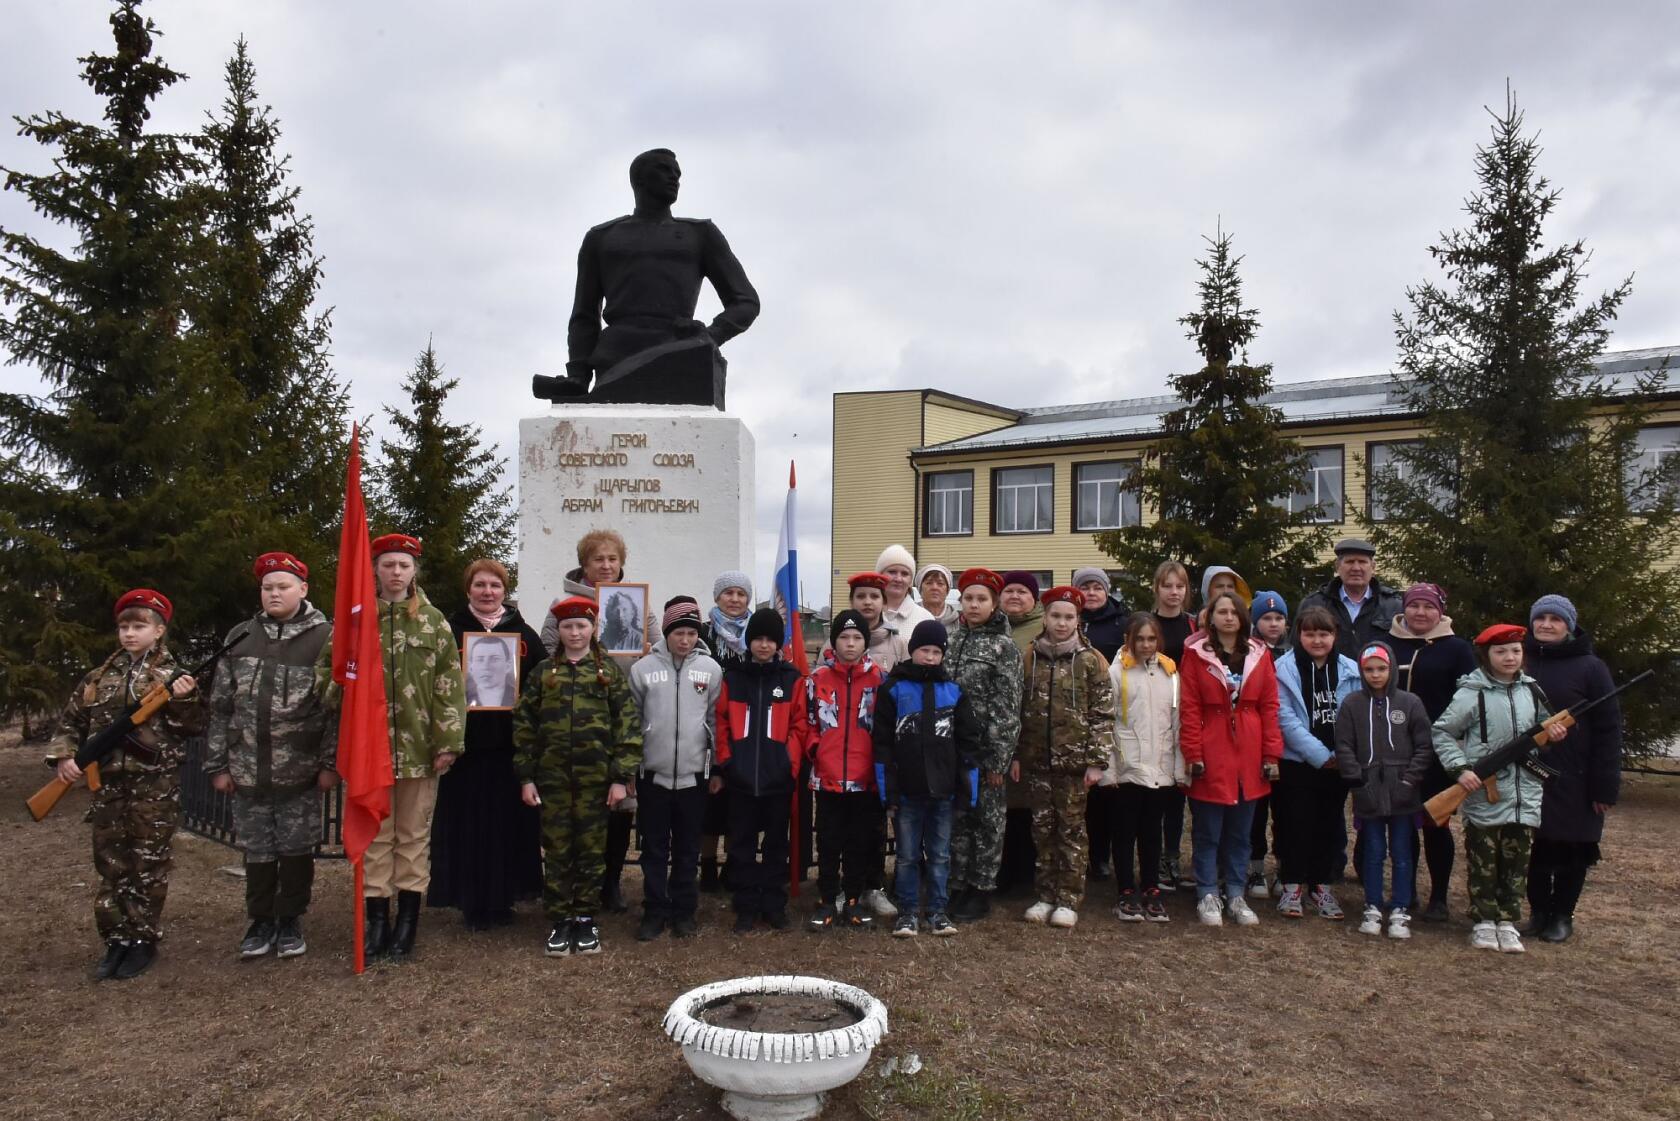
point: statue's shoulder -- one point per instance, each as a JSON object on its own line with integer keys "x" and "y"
{"x": 609, "y": 223}
{"x": 705, "y": 222}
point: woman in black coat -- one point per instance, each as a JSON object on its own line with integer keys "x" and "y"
{"x": 1559, "y": 655}
{"x": 486, "y": 843}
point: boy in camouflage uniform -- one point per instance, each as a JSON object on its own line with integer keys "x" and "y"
{"x": 985, "y": 661}
{"x": 427, "y": 695}
{"x": 272, "y": 745}
{"x": 577, "y": 737}
{"x": 138, "y": 804}
{"x": 1067, "y": 732}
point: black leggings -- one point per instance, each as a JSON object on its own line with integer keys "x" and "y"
{"x": 1135, "y": 815}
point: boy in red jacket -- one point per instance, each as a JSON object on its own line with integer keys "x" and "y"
{"x": 840, "y": 712}
{"x": 760, "y": 728}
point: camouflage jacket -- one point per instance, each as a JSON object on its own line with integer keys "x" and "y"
{"x": 101, "y": 697}
{"x": 985, "y": 661}
{"x": 425, "y": 690}
{"x": 270, "y": 725}
{"x": 577, "y": 721}
{"x": 1067, "y": 713}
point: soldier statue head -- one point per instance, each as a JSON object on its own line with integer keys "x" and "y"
{"x": 655, "y": 177}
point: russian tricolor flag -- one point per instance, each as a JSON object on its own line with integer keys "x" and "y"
{"x": 787, "y": 581}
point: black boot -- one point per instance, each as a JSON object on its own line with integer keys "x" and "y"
{"x": 618, "y": 848}
{"x": 1559, "y": 929}
{"x": 408, "y": 925}
{"x": 376, "y": 936}
{"x": 114, "y": 951}
{"x": 1537, "y": 922}
{"x": 138, "y": 959}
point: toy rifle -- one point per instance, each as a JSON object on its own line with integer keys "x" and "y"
{"x": 117, "y": 734}
{"x": 1523, "y": 750}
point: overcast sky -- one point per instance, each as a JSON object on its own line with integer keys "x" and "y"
{"x": 1003, "y": 200}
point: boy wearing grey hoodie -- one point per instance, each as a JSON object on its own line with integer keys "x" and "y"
{"x": 676, "y": 688}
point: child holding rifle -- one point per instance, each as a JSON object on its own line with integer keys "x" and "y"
{"x": 138, "y": 803}
{"x": 1492, "y": 706}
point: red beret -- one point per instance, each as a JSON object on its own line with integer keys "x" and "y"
{"x": 1501, "y": 633}
{"x": 574, "y": 607}
{"x": 868, "y": 580}
{"x": 396, "y": 543}
{"x": 280, "y": 562}
{"x": 145, "y": 597}
{"x": 1063, "y": 593}
{"x": 983, "y": 576}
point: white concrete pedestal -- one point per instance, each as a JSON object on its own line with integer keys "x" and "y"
{"x": 675, "y": 480}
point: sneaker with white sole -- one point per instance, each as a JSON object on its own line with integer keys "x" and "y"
{"x": 1372, "y": 922}
{"x": 1325, "y": 900}
{"x": 1039, "y": 912}
{"x": 1065, "y": 917}
{"x": 1240, "y": 912}
{"x": 1129, "y": 909}
{"x": 876, "y": 900}
{"x": 1510, "y": 942}
{"x": 1399, "y": 923}
{"x": 1483, "y": 936}
{"x": 1257, "y": 888}
{"x": 905, "y": 927}
{"x": 1289, "y": 904}
{"x": 1210, "y": 911}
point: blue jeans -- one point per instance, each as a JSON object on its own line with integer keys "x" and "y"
{"x": 1219, "y": 846}
{"x": 924, "y": 840}
{"x": 1380, "y": 837}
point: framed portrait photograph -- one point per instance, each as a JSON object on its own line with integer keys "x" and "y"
{"x": 490, "y": 661}
{"x": 622, "y": 627}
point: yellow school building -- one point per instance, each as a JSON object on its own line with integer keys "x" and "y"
{"x": 964, "y": 482}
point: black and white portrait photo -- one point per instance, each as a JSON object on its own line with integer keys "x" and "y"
{"x": 490, "y": 660}
{"x": 623, "y": 611}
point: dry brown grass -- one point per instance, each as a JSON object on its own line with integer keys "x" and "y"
{"x": 1302, "y": 1020}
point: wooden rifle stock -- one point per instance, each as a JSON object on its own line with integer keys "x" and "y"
{"x": 1441, "y": 807}
{"x": 41, "y": 803}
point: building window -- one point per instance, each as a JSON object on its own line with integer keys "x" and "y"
{"x": 950, "y": 504}
{"x": 1653, "y": 470}
{"x": 1023, "y": 500}
{"x": 1321, "y": 490}
{"x": 1100, "y": 500}
{"x": 1381, "y": 461}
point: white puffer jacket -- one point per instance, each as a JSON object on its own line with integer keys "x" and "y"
{"x": 1145, "y": 724}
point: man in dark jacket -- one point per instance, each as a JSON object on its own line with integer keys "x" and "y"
{"x": 1363, "y": 605}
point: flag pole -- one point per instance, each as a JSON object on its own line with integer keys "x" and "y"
{"x": 358, "y": 921}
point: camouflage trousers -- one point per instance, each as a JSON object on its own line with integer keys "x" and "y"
{"x": 286, "y": 826}
{"x": 133, "y": 817}
{"x": 574, "y": 839}
{"x": 1497, "y": 860}
{"x": 977, "y": 841}
{"x": 1057, "y": 802}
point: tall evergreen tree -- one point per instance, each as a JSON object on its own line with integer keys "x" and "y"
{"x": 435, "y": 481}
{"x": 1219, "y": 478}
{"x": 102, "y": 481}
{"x": 254, "y": 316}
{"x": 1529, "y": 481}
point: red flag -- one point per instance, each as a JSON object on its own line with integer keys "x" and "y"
{"x": 364, "y": 739}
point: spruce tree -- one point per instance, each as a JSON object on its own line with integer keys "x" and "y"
{"x": 1218, "y": 479}
{"x": 1527, "y": 482}
{"x": 103, "y": 483}
{"x": 435, "y": 481}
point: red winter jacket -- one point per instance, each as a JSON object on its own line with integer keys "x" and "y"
{"x": 840, "y": 709}
{"x": 761, "y": 727}
{"x": 1230, "y": 741}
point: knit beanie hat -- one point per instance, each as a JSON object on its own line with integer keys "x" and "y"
{"x": 1026, "y": 579}
{"x": 1425, "y": 593}
{"x": 1377, "y": 650}
{"x": 928, "y": 632}
{"x": 950, "y": 580}
{"x": 766, "y": 622}
{"x": 1264, "y": 604}
{"x": 1554, "y": 605}
{"x": 895, "y": 554}
{"x": 1082, "y": 576}
{"x": 847, "y": 620}
{"x": 732, "y": 580}
{"x": 680, "y": 612}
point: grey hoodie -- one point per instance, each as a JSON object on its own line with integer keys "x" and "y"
{"x": 678, "y": 706}
{"x": 1384, "y": 744}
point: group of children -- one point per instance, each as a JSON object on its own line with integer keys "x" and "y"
{"x": 902, "y": 719}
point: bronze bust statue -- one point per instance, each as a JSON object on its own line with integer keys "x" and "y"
{"x": 642, "y": 274}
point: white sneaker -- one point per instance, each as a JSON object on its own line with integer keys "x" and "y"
{"x": 1399, "y": 923}
{"x": 1483, "y": 936}
{"x": 1372, "y": 922}
{"x": 1510, "y": 942}
{"x": 878, "y": 902}
{"x": 1257, "y": 888}
{"x": 1039, "y": 912}
{"x": 1064, "y": 917}
{"x": 1241, "y": 913}
{"x": 1209, "y": 910}
{"x": 1289, "y": 904}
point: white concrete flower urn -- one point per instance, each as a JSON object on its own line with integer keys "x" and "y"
{"x": 775, "y": 1076}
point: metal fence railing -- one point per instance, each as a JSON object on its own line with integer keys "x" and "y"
{"x": 209, "y": 813}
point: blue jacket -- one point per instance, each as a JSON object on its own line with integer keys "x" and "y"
{"x": 1299, "y": 744}
{"x": 926, "y": 737}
